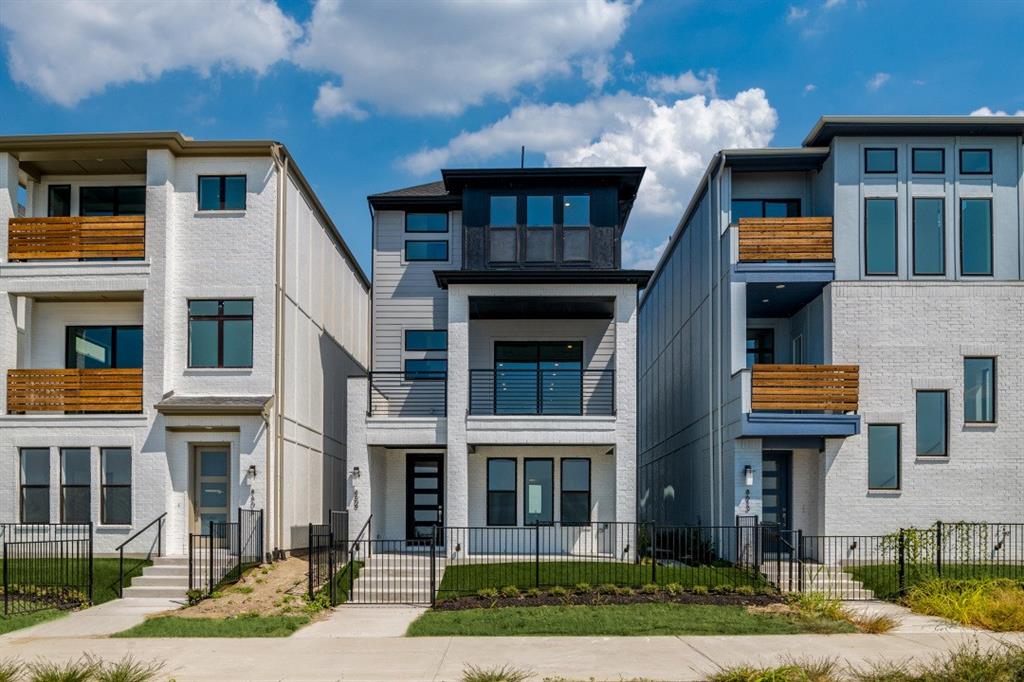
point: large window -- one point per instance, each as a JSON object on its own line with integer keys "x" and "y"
{"x": 925, "y": 160}
{"x": 932, "y": 423}
{"x": 976, "y": 161}
{"x": 976, "y": 236}
{"x": 501, "y": 492}
{"x": 75, "y": 485}
{"x": 880, "y": 237}
{"x": 116, "y": 486}
{"x": 575, "y": 491}
{"x": 576, "y": 210}
{"x": 426, "y": 339}
{"x": 126, "y": 200}
{"x": 880, "y": 160}
{"x": 540, "y": 223}
{"x": 884, "y": 456}
{"x": 765, "y": 208}
{"x": 538, "y": 491}
{"x": 58, "y": 200}
{"x": 426, "y": 250}
{"x": 221, "y": 192}
{"x": 980, "y": 390}
{"x": 760, "y": 347}
{"x": 538, "y": 377}
{"x": 35, "y": 485}
{"x": 426, "y": 369}
{"x": 103, "y": 347}
{"x": 220, "y": 333}
{"x": 426, "y": 222}
{"x": 540, "y": 211}
{"x": 929, "y": 236}
{"x": 503, "y": 212}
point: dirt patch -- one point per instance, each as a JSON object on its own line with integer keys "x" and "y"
{"x": 276, "y": 589}
{"x": 780, "y": 608}
{"x": 595, "y": 599}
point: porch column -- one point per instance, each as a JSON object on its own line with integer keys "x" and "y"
{"x": 625, "y": 404}
{"x": 457, "y": 456}
{"x": 8, "y": 197}
{"x": 358, "y": 495}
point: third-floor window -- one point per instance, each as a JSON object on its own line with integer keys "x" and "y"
{"x": 220, "y": 333}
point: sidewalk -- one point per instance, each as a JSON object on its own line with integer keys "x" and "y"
{"x": 98, "y": 621}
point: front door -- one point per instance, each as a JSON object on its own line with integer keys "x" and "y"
{"x": 776, "y": 494}
{"x": 210, "y": 487}
{"x": 424, "y": 495}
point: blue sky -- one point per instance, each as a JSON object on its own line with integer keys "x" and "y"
{"x": 374, "y": 96}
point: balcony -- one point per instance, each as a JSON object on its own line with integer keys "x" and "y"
{"x": 76, "y": 238}
{"x": 74, "y": 390}
{"x": 408, "y": 394}
{"x": 785, "y": 239}
{"x": 544, "y": 392}
{"x": 815, "y": 388}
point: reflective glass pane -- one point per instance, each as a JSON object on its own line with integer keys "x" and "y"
{"x": 239, "y": 307}
{"x": 575, "y": 507}
{"x": 35, "y": 466}
{"x": 58, "y": 200}
{"x": 422, "y": 250}
{"x": 928, "y": 161}
{"x": 90, "y": 347}
{"x": 426, "y": 369}
{"x": 202, "y": 343}
{"x": 96, "y": 201}
{"x": 576, "y": 210}
{"x": 426, "y": 222}
{"x": 422, "y": 339}
{"x": 883, "y": 456}
{"x": 979, "y": 389}
{"x": 234, "y": 193}
{"x": 502, "y": 246}
{"x": 209, "y": 193}
{"x": 976, "y": 236}
{"x": 425, "y": 515}
{"x": 116, "y": 466}
{"x": 129, "y": 347}
{"x": 540, "y": 245}
{"x": 35, "y": 505}
{"x": 501, "y": 474}
{"x": 576, "y": 475}
{"x": 931, "y": 423}
{"x": 537, "y": 487}
{"x": 213, "y": 494}
{"x": 425, "y": 498}
{"x": 74, "y": 464}
{"x": 205, "y": 519}
{"x": 929, "y": 231}
{"x": 117, "y": 505}
{"x": 203, "y": 307}
{"x": 747, "y": 208}
{"x": 540, "y": 211}
{"x": 425, "y": 483}
{"x": 976, "y": 161}
{"x": 880, "y": 161}
{"x": 131, "y": 201}
{"x": 501, "y": 508}
{"x": 781, "y": 209}
{"x": 238, "y": 343}
{"x": 503, "y": 212}
{"x": 77, "y": 508}
{"x": 880, "y": 236}
{"x": 213, "y": 463}
{"x": 576, "y": 244}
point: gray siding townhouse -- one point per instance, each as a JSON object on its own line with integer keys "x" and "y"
{"x": 832, "y": 340}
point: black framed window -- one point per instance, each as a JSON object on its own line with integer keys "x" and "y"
{"x": 975, "y": 161}
{"x": 930, "y": 236}
{"x": 426, "y": 369}
{"x": 501, "y": 491}
{"x": 116, "y": 486}
{"x": 538, "y": 377}
{"x": 58, "y": 201}
{"x": 880, "y": 160}
{"x": 538, "y": 491}
{"x": 426, "y": 339}
{"x": 420, "y": 250}
{"x": 540, "y": 211}
{"x": 932, "y": 423}
{"x": 880, "y": 237}
{"x": 35, "y": 485}
{"x": 576, "y": 210}
{"x": 926, "y": 160}
{"x": 765, "y": 208}
{"x": 540, "y": 228}
{"x": 976, "y": 237}
{"x": 979, "y": 390}
{"x": 222, "y": 192}
{"x": 103, "y": 347}
{"x": 220, "y": 333}
{"x": 575, "y": 486}
{"x": 426, "y": 222}
{"x": 884, "y": 456}
{"x": 760, "y": 347}
{"x": 117, "y": 200}
{"x": 503, "y": 211}
{"x": 75, "y": 485}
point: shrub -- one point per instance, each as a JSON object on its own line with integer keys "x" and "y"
{"x": 127, "y": 670}
{"x": 487, "y": 593}
{"x": 625, "y": 591}
{"x": 584, "y": 588}
{"x": 873, "y": 625}
{"x": 607, "y": 588}
{"x": 650, "y": 588}
{"x": 510, "y": 592}
{"x": 11, "y": 670}
{"x": 674, "y": 589}
{"x": 700, "y": 589}
{"x": 533, "y": 592}
{"x": 817, "y": 605}
{"x": 993, "y": 604}
{"x": 745, "y": 590}
{"x": 502, "y": 674}
{"x": 558, "y": 591}
{"x": 70, "y": 671}
{"x": 194, "y": 597}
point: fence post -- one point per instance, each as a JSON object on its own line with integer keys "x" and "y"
{"x": 536, "y": 555}
{"x": 120, "y": 572}
{"x": 90, "y": 563}
{"x": 309, "y": 573}
{"x": 191, "y": 567}
{"x": 7, "y": 591}
{"x": 211, "y": 558}
{"x": 654, "y": 552}
{"x": 239, "y": 534}
{"x": 901, "y": 566}
{"x": 433, "y": 574}
{"x": 330, "y": 557}
{"x": 800, "y": 560}
{"x": 938, "y": 547}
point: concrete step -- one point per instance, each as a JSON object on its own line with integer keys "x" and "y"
{"x": 168, "y": 571}
{"x": 180, "y": 582}
{"x": 170, "y": 561}
{"x": 155, "y": 592}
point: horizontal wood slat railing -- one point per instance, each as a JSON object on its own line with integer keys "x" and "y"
{"x": 74, "y": 390}
{"x": 830, "y": 388}
{"x": 76, "y": 237}
{"x": 764, "y": 239}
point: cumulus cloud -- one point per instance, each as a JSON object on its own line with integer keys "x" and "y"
{"x": 90, "y": 44}
{"x": 441, "y": 57}
{"x": 642, "y": 255}
{"x": 985, "y": 111}
{"x": 877, "y": 81}
{"x": 687, "y": 83}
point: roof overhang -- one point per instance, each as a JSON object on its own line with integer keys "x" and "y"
{"x": 626, "y": 178}
{"x": 829, "y": 127}
{"x": 637, "y": 277}
{"x": 212, "y": 405}
{"x": 782, "y": 159}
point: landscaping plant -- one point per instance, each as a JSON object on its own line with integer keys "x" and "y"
{"x": 994, "y": 604}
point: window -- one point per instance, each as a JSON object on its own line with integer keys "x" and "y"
{"x": 502, "y": 243}
{"x": 879, "y": 160}
{"x": 35, "y": 485}
{"x": 111, "y": 201}
{"x": 540, "y": 211}
{"x": 975, "y": 161}
{"x": 538, "y": 377}
{"x": 428, "y": 251}
{"x": 576, "y": 210}
{"x": 538, "y": 475}
{"x": 220, "y": 333}
{"x": 426, "y": 369}
{"x": 426, "y": 222}
{"x": 576, "y": 228}
{"x": 976, "y": 236}
{"x": 798, "y": 350}
{"x": 222, "y": 192}
{"x": 928, "y": 161}
{"x": 501, "y": 492}
{"x": 58, "y": 200}
{"x": 540, "y": 221}
{"x": 884, "y": 456}
{"x": 880, "y": 236}
{"x": 575, "y": 491}
{"x": 765, "y": 208}
{"x": 116, "y": 486}
{"x": 503, "y": 212}
{"x": 423, "y": 339}
{"x": 932, "y": 423}
{"x": 75, "y": 481}
{"x": 979, "y": 390}
{"x": 929, "y": 236}
{"x": 103, "y": 347}
{"x": 760, "y": 347}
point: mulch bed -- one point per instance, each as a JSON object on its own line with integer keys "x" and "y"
{"x": 594, "y": 599}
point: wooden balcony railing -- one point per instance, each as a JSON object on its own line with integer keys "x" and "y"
{"x": 817, "y": 388}
{"x": 74, "y": 390}
{"x": 785, "y": 239}
{"x": 70, "y": 237}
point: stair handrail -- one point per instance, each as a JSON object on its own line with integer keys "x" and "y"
{"x": 120, "y": 548}
{"x": 365, "y": 530}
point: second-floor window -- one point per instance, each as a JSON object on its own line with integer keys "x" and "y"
{"x": 221, "y": 192}
{"x": 426, "y": 222}
{"x": 103, "y": 347}
{"x": 976, "y": 236}
{"x": 220, "y": 333}
{"x": 979, "y": 390}
{"x": 58, "y": 201}
{"x": 426, "y": 339}
{"x": 426, "y": 369}
{"x": 880, "y": 237}
{"x": 765, "y": 208}
{"x": 929, "y": 236}
{"x": 118, "y": 200}
{"x": 426, "y": 250}
{"x": 975, "y": 161}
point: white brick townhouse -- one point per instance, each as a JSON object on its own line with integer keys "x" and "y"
{"x": 503, "y": 382}
{"x": 178, "y": 319}
{"x": 834, "y": 337}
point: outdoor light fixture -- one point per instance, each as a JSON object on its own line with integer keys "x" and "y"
{"x": 252, "y": 471}
{"x": 355, "y": 472}
{"x": 780, "y": 286}
{"x": 748, "y": 474}
{"x": 764, "y": 300}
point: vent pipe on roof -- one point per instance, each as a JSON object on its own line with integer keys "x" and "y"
{"x": 522, "y": 156}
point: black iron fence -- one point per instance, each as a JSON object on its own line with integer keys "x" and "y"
{"x": 334, "y": 562}
{"x": 46, "y": 566}
{"x": 224, "y": 551}
{"x": 542, "y": 392}
{"x": 408, "y": 394}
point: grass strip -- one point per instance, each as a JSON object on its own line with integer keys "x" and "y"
{"x": 242, "y": 626}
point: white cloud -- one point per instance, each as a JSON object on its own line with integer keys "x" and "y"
{"x": 687, "y": 83}
{"x": 597, "y": 71}
{"x": 796, "y": 14}
{"x": 674, "y": 140}
{"x": 985, "y": 111}
{"x": 332, "y": 100}
{"x": 67, "y": 51}
{"x": 441, "y": 57}
{"x": 810, "y": 87}
{"x": 831, "y": 4}
{"x": 642, "y": 255}
{"x": 877, "y": 81}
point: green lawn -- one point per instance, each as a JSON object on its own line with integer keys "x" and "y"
{"x": 343, "y": 580}
{"x": 883, "y": 579}
{"x": 243, "y": 626}
{"x": 632, "y": 619}
{"x": 24, "y": 620}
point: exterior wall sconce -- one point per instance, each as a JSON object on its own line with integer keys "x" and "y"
{"x": 252, "y": 472}
{"x": 748, "y": 475}
{"x": 355, "y": 472}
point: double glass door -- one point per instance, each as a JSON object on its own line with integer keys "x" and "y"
{"x": 538, "y": 377}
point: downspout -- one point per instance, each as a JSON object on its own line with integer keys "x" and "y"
{"x": 275, "y": 455}
{"x": 715, "y": 423}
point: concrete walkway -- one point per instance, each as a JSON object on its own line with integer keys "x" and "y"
{"x": 98, "y": 621}
{"x": 907, "y": 621}
{"x": 364, "y": 620}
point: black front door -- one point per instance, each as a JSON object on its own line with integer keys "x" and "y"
{"x": 776, "y": 493}
{"x": 424, "y": 495}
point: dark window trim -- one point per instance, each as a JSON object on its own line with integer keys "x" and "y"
{"x": 521, "y": 230}
{"x": 562, "y": 491}
{"x": 525, "y": 488}
{"x": 116, "y": 210}
{"x": 64, "y": 486}
{"x": 913, "y": 237}
{"x": 49, "y": 200}
{"x": 995, "y": 388}
{"x": 899, "y": 458}
{"x": 223, "y": 191}
{"x": 405, "y": 340}
{"x": 798, "y": 202}
{"x": 514, "y": 491}
{"x": 104, "y": 486}
{"x": 220, "y": 318}
{"x": 945, "y": 396}
{"x": 896, "y": 237}
{"x": 895, "y": 160}
{"x": 447, "y": 225}
{"x": 975, "y": 149}
{"x": 447, "y": 252}
{"x": 991, "y": 238}
{"x": 68, "y": 349}
{"x": 913, "y": 160}
{"x": 515, "y": 248}
{"x": 22, "y": 486}
{"x": 520, "y": 208}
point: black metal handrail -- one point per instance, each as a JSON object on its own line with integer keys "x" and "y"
{"x": 407, "y": 394}
{"x": 353, "y": 548}
{"x": 542, "y": 391}
{"x": 159, "y": 521}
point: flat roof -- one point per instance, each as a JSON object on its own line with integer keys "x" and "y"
{"x": 776, "y": 158}
{"x": 828, "y": 127}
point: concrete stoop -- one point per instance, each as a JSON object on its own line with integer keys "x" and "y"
{"x": 167, "y": 578}
{"x": 395, "y": 579}
{"x": 832, "y": 581}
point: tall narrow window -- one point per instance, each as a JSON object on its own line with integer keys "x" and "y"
{"x": 976, "y": 236}
{"x": 35, "y": 485}
{"x": 501, "y": 492}
{"x": 575, "y": 491}
{"x": 880, "y": 160}
{"x": 929, "y": 236}
{"x": 576, "y": 228}
{"x": 760, "y": 347}
{"x": 540, "y": 222}
{"x": 980, "y": 390}
{"x": 75, "y": 486}
{"x": 58, "y": 201}
{"x": 502, "y": 243}
{"x": 538, "y": 491}
{"x": 932, "y": 423}
{"x": 220, "y": 333}
{"x": 884, "y": 456}
{"x": 222, "y": 192}
{"x": 116, "y": 486}
{"x": 880, "y": 245}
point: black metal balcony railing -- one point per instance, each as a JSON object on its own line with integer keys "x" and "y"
{"x": 542, "y": 392}
{"x": 408, "y": 394}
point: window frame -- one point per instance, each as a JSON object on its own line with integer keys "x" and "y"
{"x": 896, "y": 237}
{"x": 913, "y": 160}
{"x": 895, "y": 161}
{"x": 913, "y": 237}
{"x": 223, "y": 191}
{"x": 991, "y": 238}
{"x": 406, "y": 372}
{"x": 551, "y": 501}
{"x": 562, "y": 492}
{"x": 104, "y": 486}
{"x": 447, "y": 226}
{"x": 116, "y": 211}
{"x": 447, "y": 251}
{"x": 64, "y": 486}
{"x": 49, "y": 200}
{"x": 945, "y": 425}
{"x": 220, "y": 318}
{"x": 22, "y": 486}
{"x": 113, "y": 340}
{"x": 995, "y": 389}
{"x": 405, "y": 340}
{"x": 514, "y": 491}
{"x": 899, "y": 458}
{"x": 988, "y": 152}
